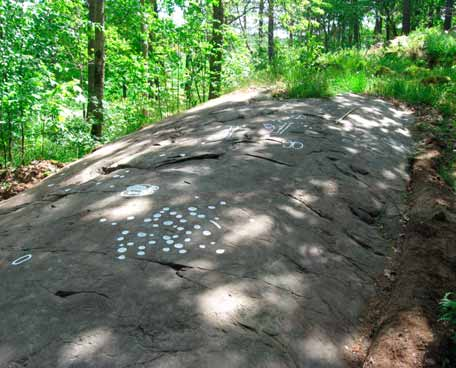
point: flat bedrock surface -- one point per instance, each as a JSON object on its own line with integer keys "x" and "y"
{"x": 259, "y": 248}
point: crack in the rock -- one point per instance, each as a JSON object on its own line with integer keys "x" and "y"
{"x": 68, "y": 293}
{"x": 24, "y": 361}
{"x": 309, "y": 207}
{"x": 300, "y": 267}
{"x": 21, "y": 206}
{"x": 179, "y": 274}
{"x": 362, "y": 243}
{"x": 362, "y": 214}
{"x": 105, "y": 170}
{"x": 173, "y": 160}
{"x": 269, "y": 159}
{"x": 205, "y": 156}
{"x": 150, "y": 337}
{"x": 185, "y": 267}
{"x": 349, "y": 174}
{"x": 275, "y": 341}
{"x": 344, "y": 116}
{"x": 351, "y": 262}
{"x": 47, "y": 250}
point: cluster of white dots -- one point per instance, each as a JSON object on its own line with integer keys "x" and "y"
{"x": 169, "y": 230}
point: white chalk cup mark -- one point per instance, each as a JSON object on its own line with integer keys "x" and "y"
{"x": 21, "y": 260}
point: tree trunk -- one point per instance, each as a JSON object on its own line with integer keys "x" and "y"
{"x": 448, "y": 14}
{"x": 406, "y": 14}
{"x": 144, "y": 33}
{"x": 271, "y": 51}
{"x": 96, "y": 66}
{"x": 430, "y": 22}
{"x": 260, "y": 27}
{"x": 388, "y": 26}
{"x": 356, "y": 32}
{"x": 378, "y": 24}
{"x": 155, "y": 81}
{"x": 216, "y": 55}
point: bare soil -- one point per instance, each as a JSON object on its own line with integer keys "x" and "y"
{"x": 15, "y": 180}
{"x": 402, "y": 329}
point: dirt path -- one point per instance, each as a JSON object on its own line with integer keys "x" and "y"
{"x": 258, "y": 244}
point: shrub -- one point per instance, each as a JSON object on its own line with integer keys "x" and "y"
{"x": 440, "y": 47}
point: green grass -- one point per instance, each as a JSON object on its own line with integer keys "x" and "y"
{"x": 419, "y": 71}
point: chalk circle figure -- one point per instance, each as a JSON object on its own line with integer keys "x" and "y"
{"x": 268, "y": 126}
{"x": 140, "y": 190}
{"x": 21, "y": 260}
{"x": 293, "y": 145}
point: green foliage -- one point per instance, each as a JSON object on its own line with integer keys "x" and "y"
{"x": 448, "y": 311}
{"x": 393, "y": 71}
{"x": 440, "y": 47}
{"x": 303, "y": 83}
{"x": 156, "y": 66}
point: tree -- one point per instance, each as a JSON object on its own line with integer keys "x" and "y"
{"x": 260, "y": 28}
{"x": 448, "y": 14}
{"x": 406, "y": 14}
{"x": 96, "y": 66}
{"x": 216, "y": 55}
{"x": 271, "y": 51}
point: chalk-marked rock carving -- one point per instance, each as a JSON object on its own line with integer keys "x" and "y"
{"x": 177, "y": 231}
{"x": 279, "y": 128}
{"x": 21, "y": 260}
{"x": 297, "y": 145}
{"x": 140, "y": 190}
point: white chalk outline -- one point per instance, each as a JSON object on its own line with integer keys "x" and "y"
{"x": 297, "y": 145}
{"x": 21, "y": 260}
{"x": 216, "y": 224}
{"x": 139, "y": 190}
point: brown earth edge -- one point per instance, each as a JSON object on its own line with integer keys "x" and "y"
{"x": 16, "y": 180}
{"x": 402, "y": 327}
